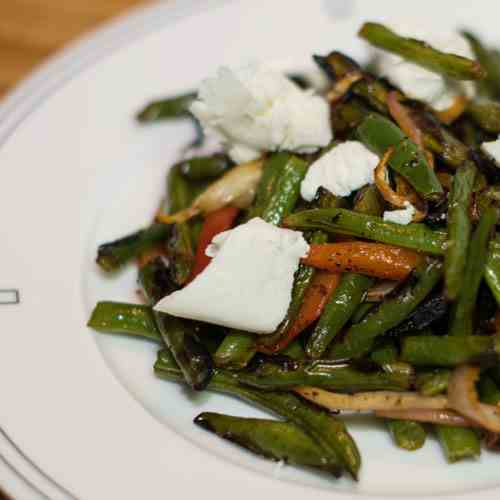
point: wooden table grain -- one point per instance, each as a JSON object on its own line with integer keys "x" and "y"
{"x": 31, "y": 30}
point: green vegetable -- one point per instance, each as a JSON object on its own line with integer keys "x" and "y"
{"x": 271, "y": 439}
{"x": 337, "y": 312}
{"x": 294, "y": 350}
{"x": 458, "y": 443}
{"x": 236, "y": 350}
{"x": 432, "y": 383}
{"x": 205, "y": 167}
{"x": 341, "y": 221}
{"x": 448, "y": 350}
{"x": 489, "y": 392}
{"x": 327, "y": 431}
{"x": 378, "y": 134}
{"x": 178, "y": 334}
{"x": 492, "y": 269}
{"x": 385, "y": 354}
{"x": 461, "y": 322}
{"x": 486, "y": 114}
{"x": 286, "y": 190}
{"x": 408, "y": 435}
{"x": 127, "y": 319}
{"x": 419, "y": 52}
{"x": 322, "y": 373}
{"x": 362, "y": 311}
{"x": 114, "y": 255}
{"x": 166, "y": 109}
{"x": 459, "y": 228}
{"x": 359, "y": 339}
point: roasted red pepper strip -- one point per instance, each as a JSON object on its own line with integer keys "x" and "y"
{"x": 372, "y": 259}
{"x": 215, "y": 223}
{"x": 318, "y": 293}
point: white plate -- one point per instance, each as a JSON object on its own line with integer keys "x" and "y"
{"x": 82, "y": 415}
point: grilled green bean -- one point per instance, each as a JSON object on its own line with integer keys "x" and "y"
{"x": 178, "y": 334}
{"x": 236, "y": 350}
{"x": 385, "y": 354}
{"x": 421, "y": 53}
{"x": 461, "y": 322}
{"x": 489, "y": 392}
{"x": 486, "y": 114}
{"x": 201, "y": 168}
{"x": 362, "y": 311}
{"x": 339, "y": 309}
{"x": 322, "y": 373}
{"x": 269, "y": 438}
{"x": 459, "y": 228}
{"x": 287, "y": 189}
{"x": 341, "y": 221}
{"x": 360, "y": 337}
{"x": 294, "y": 350}
{"x": 128, "y": 319}
{"x": 378, "y": 134}
{"x": 449, "y": 350}
{"x": 328, "y": 432}
{"x": 458, "y": 443}
{"x": 166, "y": 109}
{"x": 492, "y": 269}
{"x": 408, "y": 435}
{"x": 114, "y": 255}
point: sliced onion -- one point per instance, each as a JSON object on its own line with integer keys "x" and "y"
{"x": 449, "y": 115}
{"x": 391, "y": 196}
{"x": 464, "y": 399}
{"x": 340, "y": 87}
{"x": 379, "y": 292}
{"x": 372, "y": 401}
{"x": 441, "y": 417}
{"x": 238, "y": 186}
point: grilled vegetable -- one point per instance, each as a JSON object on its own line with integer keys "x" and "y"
{"x": 379, "y": 134}
{"x": 167, "y": 109}
{"x": 449, "y": 350}
{"x": 200, "y": 168}
{"x": 408, "y": 435}
{"x": 459, "y": 228}
{"x": 178, "y": 334}
{"x": 418, "y": 52}
{"x": 328, "y": 432}
{"x": 323, "y": 373}
{"x": 360, "y": 337}
{"x": 338, "y": 310}
{"x": 127, "y": 319}
{"x": 341, "y": 221}
{"x": 278, "y": 441}
{"x": 461, "y": 322}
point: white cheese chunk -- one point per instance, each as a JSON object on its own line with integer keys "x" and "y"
{"x": 419, "y": 83}
{"x": 345, "y": 168}
{"x": 403, "y": 216}
{"x": 255, "y": 109}
{"x": 492, "y": 149}
{"x": 248, "y": 284}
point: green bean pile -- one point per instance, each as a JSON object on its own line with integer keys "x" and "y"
{"x": 422, "y": 352}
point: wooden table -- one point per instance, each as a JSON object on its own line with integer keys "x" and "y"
{"x": 30, "y": 30}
